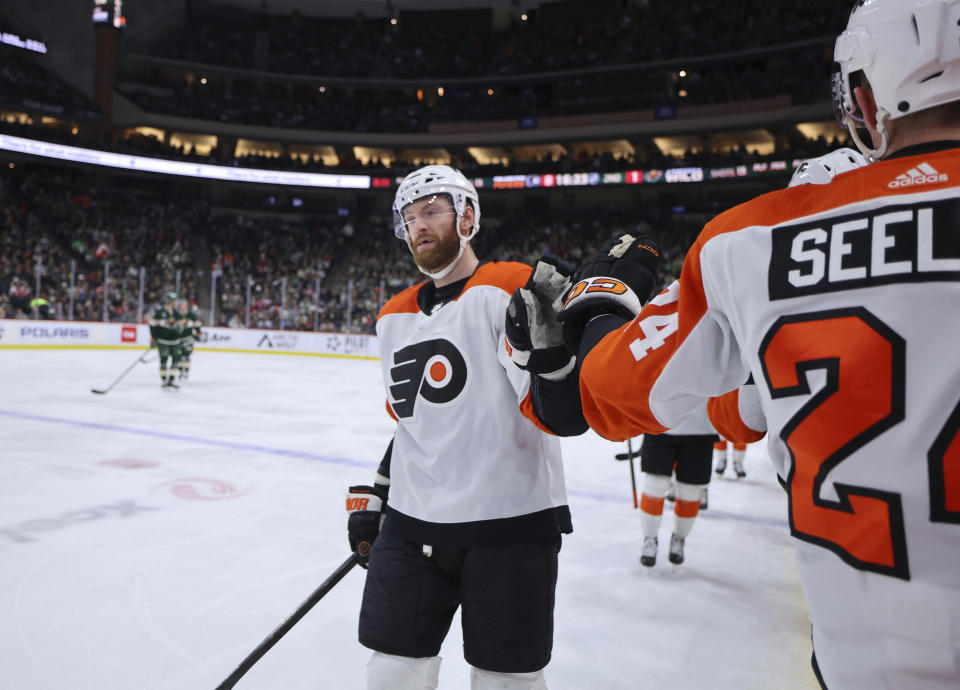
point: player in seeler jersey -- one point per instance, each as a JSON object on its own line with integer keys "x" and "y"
{"x": 837, "y": 304}
{"x": 189, "y": 334}
{"x": 477, "y": 502}
{"x": 165, "y": 324}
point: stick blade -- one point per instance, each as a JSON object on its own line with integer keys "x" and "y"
{"x": 98, "y": 392}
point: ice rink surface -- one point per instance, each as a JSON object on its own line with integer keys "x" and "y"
{"x": 152, "y": 539}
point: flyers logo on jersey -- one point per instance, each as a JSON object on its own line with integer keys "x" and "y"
{"x": 433, "y": 369}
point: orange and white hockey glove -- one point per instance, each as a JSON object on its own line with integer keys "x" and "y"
{"x": 618, "y": 280}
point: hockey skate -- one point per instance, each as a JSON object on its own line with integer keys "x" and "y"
{"x": 672, "y": 491}
{"x": 738, "y": 468}
{"x": 721, "y": 464}
{"x": 703, "y": 498}
{"x": 676, "y": 548}
{"x": 648, "y": 556}
{"x": 169, "y": 384}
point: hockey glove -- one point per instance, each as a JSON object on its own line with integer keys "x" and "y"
{"x": 618, "y": 280}
{"x": 365, "y": 504}
{"x": 534, "y": 335}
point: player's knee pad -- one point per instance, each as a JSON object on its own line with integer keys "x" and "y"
{"x": 491, "y": 680}
{"x": 655, "y": 485}
{"x": 689, "y": 492}
{"x": 392, "y": 672}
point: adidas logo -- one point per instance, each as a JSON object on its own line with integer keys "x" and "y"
{"x": 922, "y": 174}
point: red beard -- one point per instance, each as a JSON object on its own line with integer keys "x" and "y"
{"x": 438, "y": 256}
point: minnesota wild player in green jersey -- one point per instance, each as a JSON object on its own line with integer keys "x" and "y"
{"x": 189, "y": 334}
{"x": 165, "y": 334}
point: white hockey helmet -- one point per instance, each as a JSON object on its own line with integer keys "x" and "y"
{"x": 431, "y": 180}
{"x": 909, "y": 50}
{"x": 824, "y": 168}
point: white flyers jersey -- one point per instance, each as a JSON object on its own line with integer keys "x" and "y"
{"x": 471, "y": 462}
{"x": 843, "y": 303}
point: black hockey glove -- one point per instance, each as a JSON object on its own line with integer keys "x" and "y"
{"x": 365, "y": 504}
{"x": 534, "y": 335}
{"x": 618, "y": 280}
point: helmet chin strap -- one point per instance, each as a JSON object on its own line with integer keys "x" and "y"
{"x": 883, "y": 117}
{"x": 446, "y": 270}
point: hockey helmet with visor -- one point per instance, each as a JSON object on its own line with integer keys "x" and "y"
{"x": 909, "y": 51}
{"x": 433, "y": 182}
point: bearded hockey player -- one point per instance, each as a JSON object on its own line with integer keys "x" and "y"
{"x": 840, "y": 302}
{"x": 469, "y": 503}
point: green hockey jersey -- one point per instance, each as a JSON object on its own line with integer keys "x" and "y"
{"x": 190, "y": 326}
{"x": 165, "y": 325}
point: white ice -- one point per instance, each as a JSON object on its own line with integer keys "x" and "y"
{"x": 152, "y": 539}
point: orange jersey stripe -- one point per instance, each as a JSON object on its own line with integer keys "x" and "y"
{"x": 506, "y": 275}
{"x": 724, "y": 413}
{"x": 390, "y": 411}
{"x": 526, "y": 409}
{"x": 404, "y": 302}
{"x": 614, "y": 387}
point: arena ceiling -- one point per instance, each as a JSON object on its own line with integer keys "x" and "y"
{"x": 373, "y": 8}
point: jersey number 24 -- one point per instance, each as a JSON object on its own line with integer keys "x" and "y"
{"x": 864, "y": 395}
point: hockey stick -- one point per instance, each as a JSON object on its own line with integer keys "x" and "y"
{"x": 106, "y": 390}
{"x": 629, "y": 456}
{"x": 284, "y": 627}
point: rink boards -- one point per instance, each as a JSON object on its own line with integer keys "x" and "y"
{"x": 29, "y": 334}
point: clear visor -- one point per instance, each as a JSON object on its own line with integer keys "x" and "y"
{"x": 431, "y": 211}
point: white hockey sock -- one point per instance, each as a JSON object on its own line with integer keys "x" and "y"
{"x": 392, "y": 672}
{"x": 490, "y": 680}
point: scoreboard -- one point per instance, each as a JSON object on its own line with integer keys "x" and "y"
{"x": 109, "y": 12}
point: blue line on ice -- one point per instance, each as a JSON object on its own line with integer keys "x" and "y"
{"x": 328, "y": 459}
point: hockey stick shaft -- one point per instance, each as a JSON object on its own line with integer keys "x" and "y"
{"x": 633, "y": 477}
{"x": 125, "y": 372}
{"x": 284, "y": 627}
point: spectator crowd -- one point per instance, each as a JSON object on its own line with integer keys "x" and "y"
{"x": 112, "y": 251}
